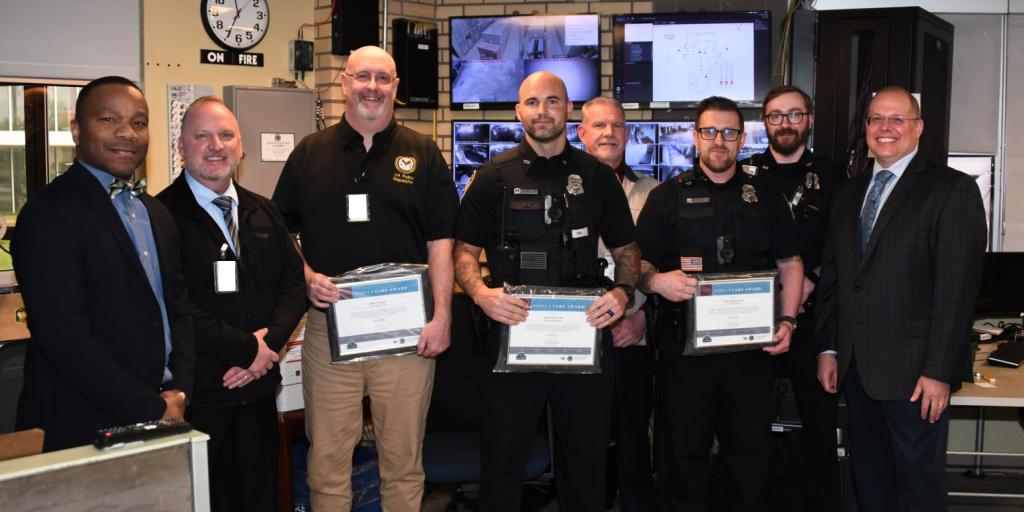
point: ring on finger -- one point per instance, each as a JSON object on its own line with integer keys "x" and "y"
{"x": 611, "y": 313}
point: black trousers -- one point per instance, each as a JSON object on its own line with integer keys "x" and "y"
{"x": 242, "y": 455}
{"x": 513, "y": 405}
{"x": 632, "y": 404}
{"x": 899, "y": 460}
{"x": 699, "y": 397}
{"x": 818, "y": 417}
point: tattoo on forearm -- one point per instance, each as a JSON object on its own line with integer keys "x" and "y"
{"x": 467, "y": 271}
{"x": 627, "y": 263}
{"x": 646, "y": 272}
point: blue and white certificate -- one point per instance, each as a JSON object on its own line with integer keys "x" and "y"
{"x": 733, "y": 312}
{"x": 555, "y": 332}
{"x": 377, "y": 317}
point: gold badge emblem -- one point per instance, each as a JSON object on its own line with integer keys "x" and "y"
{"x": 405, "y": 164}
{"x": 404, "y": 167}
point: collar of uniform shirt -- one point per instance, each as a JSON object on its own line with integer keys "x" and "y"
{"x": 350, "y": 136}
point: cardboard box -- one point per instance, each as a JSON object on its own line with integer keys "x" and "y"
{"x": 289, "y": 393}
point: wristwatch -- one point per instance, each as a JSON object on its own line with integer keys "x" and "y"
{"x": 788, "y": 319}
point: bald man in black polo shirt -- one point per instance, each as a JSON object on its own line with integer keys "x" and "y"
{"x": 409, "y": 209}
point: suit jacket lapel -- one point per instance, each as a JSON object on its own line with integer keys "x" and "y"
{"x": 896, "y": 198}
{"x": 94, "y": 196}
{"x": 185, "y": 199}
{"x": 858, "y": 187}
{"x": 246, "y": 205}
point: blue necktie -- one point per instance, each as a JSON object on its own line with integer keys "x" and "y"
{"x": 870, "y": 211}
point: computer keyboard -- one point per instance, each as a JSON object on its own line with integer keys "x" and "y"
{"x": 1008, "y": 354}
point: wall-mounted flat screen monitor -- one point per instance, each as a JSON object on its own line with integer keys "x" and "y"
{"x": 674, "y": 60}
{"x": 491, "y": 55}
{"x": 659, "y": 149}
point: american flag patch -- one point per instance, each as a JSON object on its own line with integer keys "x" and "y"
{"x": 691, "y": 263}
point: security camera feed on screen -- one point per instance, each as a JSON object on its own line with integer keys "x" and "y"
{"x": 490, "y": 56}
{"x": 659, "y": 149}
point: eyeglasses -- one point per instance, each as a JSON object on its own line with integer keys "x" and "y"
{"x": 896, "y": 121}
{"x": 775, "y": 118}
{"x": 728, "y": 134}
{"x": 364, "y": 77}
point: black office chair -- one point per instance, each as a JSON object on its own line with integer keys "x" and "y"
{"x": 12, "y": 362}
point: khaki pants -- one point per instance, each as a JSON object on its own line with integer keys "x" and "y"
{"x": 399, "y": 390}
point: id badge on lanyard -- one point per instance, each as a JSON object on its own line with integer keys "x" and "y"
{"x": 225, "y": 273}
{"x": 358, "y": 207}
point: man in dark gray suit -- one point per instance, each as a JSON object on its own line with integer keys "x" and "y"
{"x": 896, "y": 297}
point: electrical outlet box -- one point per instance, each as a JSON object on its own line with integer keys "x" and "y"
{"x": 300, "y": 59}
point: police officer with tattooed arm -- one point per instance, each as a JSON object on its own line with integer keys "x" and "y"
{"x": 538, "y": 210}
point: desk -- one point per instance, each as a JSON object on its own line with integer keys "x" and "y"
{"x": 1008, "y": 392}
{"x": 164, "y": 474}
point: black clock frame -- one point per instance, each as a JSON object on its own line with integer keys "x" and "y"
{"x": 213, "y": 35}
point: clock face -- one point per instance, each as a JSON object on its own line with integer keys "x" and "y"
{"x": 235, "y": 25}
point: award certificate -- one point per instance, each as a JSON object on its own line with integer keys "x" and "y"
{"x": 555, "y": 332}
{"x": 377, "y": 317}
{"x": 733, "y": 312}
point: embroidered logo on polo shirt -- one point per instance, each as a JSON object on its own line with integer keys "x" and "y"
{"x": 404, "y": 167}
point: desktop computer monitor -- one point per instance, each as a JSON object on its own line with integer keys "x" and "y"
{"x": 1002, "y": 286}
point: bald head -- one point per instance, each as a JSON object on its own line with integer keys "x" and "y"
{"x": 373, "y": 54}
{"x": 544, "y": 80}
{"x": 543, "y": 109}
{"x": 371, "y": 84}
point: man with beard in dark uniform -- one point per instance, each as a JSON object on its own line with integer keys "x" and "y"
{"x": 808, "y": 183}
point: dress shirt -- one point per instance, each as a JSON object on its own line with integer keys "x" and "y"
{"x": 897, "y": 170}
{"x": 135, "y": 218}
{"x": 204, "y": 196}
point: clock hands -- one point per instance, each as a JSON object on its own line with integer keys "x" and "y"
{"x": 238, "y": 12}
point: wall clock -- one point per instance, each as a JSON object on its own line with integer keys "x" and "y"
{"x": 235, "y": 25}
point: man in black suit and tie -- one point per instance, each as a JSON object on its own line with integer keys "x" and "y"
{"x": 897, "y": 291}
{"x": 245, "y": 277}
{"x": 97, "y": 261}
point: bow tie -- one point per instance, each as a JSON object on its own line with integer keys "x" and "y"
{"x": 135, "y": 188}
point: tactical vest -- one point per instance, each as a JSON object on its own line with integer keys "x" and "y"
{"x": 740, "y": 226}
{"x": 548, "y": 232}
{"x": 805, "y": 200}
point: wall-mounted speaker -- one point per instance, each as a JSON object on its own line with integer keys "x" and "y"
{"x": 354, "y": 24}
{"x": 414, "y": 45}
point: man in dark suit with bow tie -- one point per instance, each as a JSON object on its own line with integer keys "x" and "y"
{"x": 896, "y": 298}
{"x": 97, "y": 261}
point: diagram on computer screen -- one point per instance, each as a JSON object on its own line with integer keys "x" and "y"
{"x": 697, "y": 61}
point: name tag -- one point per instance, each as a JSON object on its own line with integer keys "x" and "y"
{"x": 358, "y": 208}
{"x": 525, "y": 191}
{"x": 225, "y": 277}
{"x": 698, "y": 200}
{"x": 580, "y": 233}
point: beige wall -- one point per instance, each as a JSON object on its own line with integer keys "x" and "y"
{"x": 173, "y": 34}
